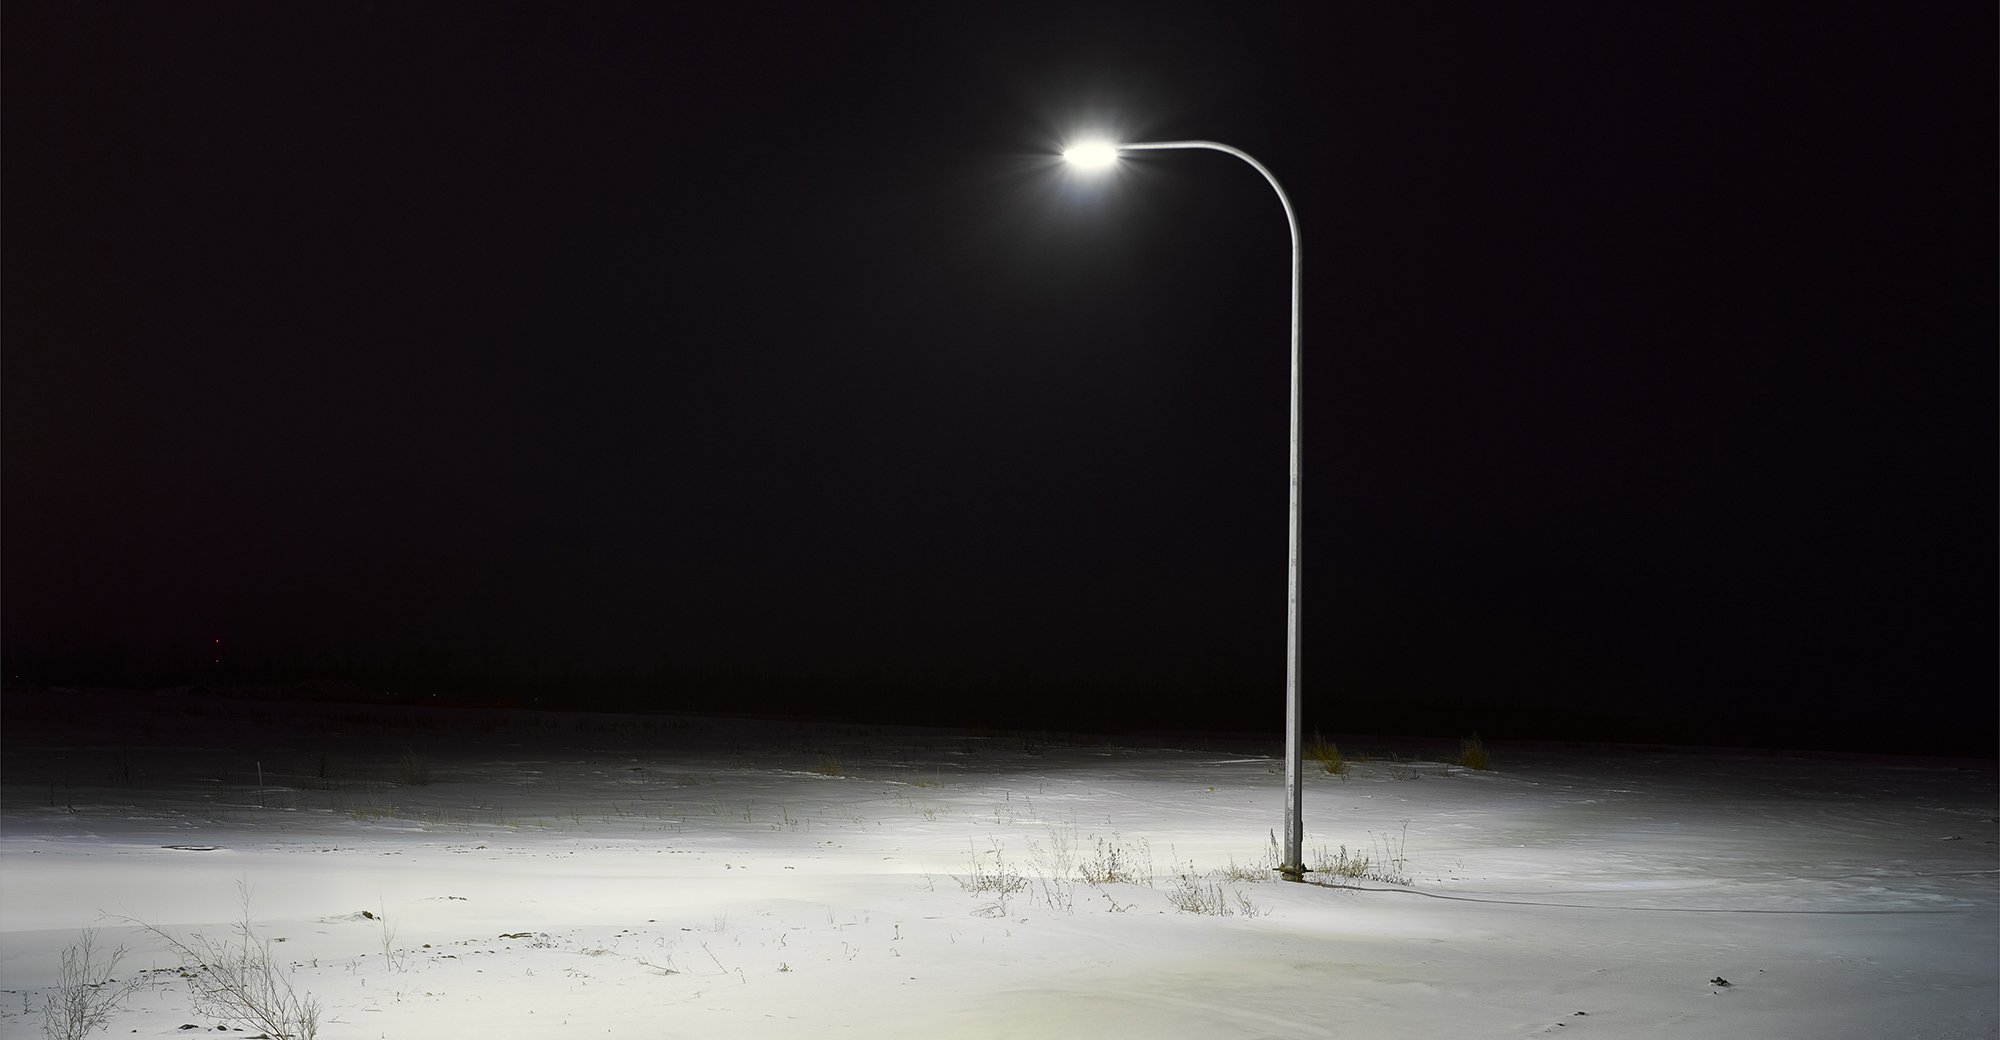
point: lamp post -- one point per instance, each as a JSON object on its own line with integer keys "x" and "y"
{"x": 1097, "y": 155}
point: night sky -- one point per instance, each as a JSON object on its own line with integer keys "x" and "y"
{"x": 769, "y": 360}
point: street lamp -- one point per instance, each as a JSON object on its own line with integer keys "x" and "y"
{"x": 1099, "y": 155}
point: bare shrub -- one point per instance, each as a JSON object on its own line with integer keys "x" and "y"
{"x": 86, "y": 995}
{"x": 237, "y": 978}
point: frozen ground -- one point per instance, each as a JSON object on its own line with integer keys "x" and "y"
{"x": 643, "y": 876}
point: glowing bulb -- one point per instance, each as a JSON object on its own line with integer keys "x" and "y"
{"x": 1091, "y": 155}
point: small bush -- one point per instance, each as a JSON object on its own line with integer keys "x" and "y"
{"x": 416, "y": 769}
{"x": 241, "y": 979}
{"x": 1472, "y": 753}
{"x": 86, "y": 994}
{"x": 1327, "y": 754}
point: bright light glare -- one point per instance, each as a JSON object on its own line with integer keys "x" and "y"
{"x": 1091, "y": 155}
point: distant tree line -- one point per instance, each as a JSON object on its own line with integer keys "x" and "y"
{"x": 1414, "y": 702}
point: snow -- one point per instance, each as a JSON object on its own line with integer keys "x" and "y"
{"x": 661, "y": 876}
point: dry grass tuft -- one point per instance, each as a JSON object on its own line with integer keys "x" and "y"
{"x": 1327, "y": 754}
{"x": 1472, "y": 753}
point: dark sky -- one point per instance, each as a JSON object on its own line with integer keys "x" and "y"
{"x": 1650, "y": 353}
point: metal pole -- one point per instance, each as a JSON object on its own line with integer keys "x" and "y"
{"x": 1292, "y": 868}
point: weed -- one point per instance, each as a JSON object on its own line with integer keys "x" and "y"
{"x": 1003, "y": 882}
{"x": 1249, "y": 874}
{"x": 1192, "y": 895}
{"x": 1115, "y": 862}
{"x": 1053, "y": 864}
{"x": 1339, "y": 863}
{"x": 390, "y": 955}
{"x": 829, "y": 766}
{"x": 1247, "y": 908}
{"x": 1384, "y": 861}
{"x": 1260, "y": 869}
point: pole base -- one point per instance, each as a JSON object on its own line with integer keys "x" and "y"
{"x": 1292, "y": 872}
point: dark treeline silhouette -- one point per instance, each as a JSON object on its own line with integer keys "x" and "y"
{"x": 1415, "y": 703}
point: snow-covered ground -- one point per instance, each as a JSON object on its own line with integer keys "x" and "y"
{"x": 652, "y": 876}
